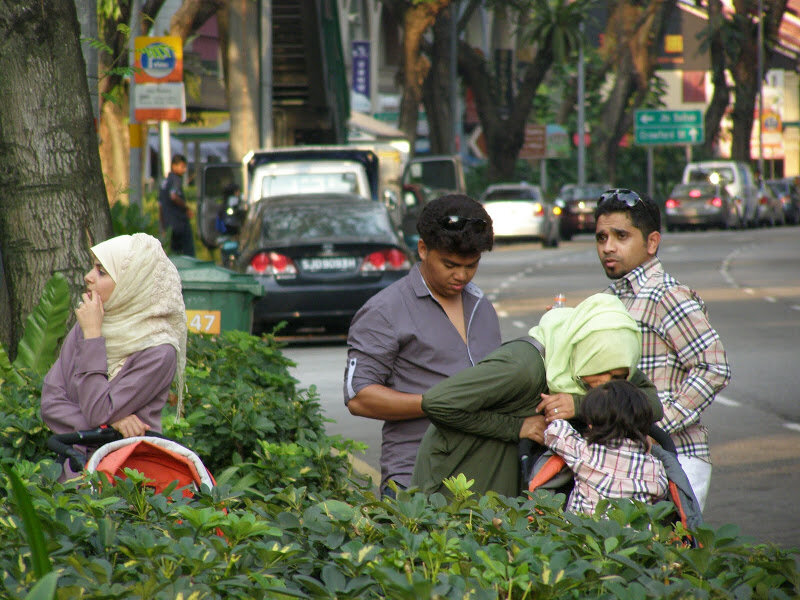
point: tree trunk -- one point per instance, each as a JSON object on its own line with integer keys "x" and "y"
{"x": 745, "y": 73}
{"x": 634, "y": 33}
{"x": 416, "y": 21}
{"x": 721, "y": 96}
{"x": 240, "y": 23}
{"x": 436, "y": 89}
{"x": 192, "y": 15}
{"x": 52, "y": 202}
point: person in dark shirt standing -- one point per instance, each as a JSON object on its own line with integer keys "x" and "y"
{"x": 175, "y": 213}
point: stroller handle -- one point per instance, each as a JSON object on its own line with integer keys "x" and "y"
{"x": 663, "y": 439}
{"x": 61, "y": 443}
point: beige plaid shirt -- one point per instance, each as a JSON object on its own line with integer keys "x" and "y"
{"x": 682, "y": 354}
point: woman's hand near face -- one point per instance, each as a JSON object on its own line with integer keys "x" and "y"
{"x": 90, "y": 315}
{"x": 556, "y": 406}
{"x": 131, "y": 426}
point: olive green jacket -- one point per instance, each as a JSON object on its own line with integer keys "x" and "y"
{"x": 477, "y": 415}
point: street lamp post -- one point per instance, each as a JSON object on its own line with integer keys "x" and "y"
{"x": 761, "y": 88}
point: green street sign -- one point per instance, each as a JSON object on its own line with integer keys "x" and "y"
{"x": 664, "y": 127}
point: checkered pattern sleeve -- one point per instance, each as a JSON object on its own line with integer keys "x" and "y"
{"x": 698, "y": 368}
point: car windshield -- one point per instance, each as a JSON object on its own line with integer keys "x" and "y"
{"x": 309, "y": 183}
{"x": 521, "y": 194}
{"x": 703, "y": 175}
{"x": 310, "y": 222}
{"x": 435, "y": 174}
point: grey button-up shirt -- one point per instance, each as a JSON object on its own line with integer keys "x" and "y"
{"x": 402, "y": 339}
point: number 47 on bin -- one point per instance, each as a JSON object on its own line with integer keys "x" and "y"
{"x": 203, "y": 321}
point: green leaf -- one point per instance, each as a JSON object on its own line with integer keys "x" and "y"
{"x": 45, "y": 327}
{"x": 45, "y": 588}
{"x": 31, "y": 523}
{"x": 6, "y": 370}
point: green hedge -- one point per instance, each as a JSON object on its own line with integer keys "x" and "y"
{"x": 289, "y": 519}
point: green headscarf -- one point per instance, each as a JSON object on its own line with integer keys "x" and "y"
{"x": 596, "y": 336}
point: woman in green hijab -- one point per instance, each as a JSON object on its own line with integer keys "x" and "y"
{"x": 480, "y": 414}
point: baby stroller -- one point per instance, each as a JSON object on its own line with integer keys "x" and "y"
{"x": 162, "y": 461}
{"x": 543, "y": 470}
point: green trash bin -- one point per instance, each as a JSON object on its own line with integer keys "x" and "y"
{"x": 216, "y": 299}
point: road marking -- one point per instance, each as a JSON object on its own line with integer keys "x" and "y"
{"x": 770, "y": 299}
{"x": 748, "y": 291}
{"x": 792, "y": 426}
{"x": 504, "y": 285}
{"x": 502, "y": 314}
{"x": 795, "y": 307}
{"x": 520, "y": 324}
{"x": 727, "y": 401}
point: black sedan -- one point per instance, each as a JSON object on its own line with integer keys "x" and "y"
{"x": 701, "y": 205}
{"x": 319, "y": 258}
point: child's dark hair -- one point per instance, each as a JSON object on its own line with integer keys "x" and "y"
{"x": 616, "y": 410}
{"x": 645, "y": 215}
{"x": 468, "y": 238}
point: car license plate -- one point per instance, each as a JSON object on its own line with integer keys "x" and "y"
{"x": 320, "y": 264}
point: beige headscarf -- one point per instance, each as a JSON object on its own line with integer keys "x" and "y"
{"x": 596, "y": 336}
{"x": 146, "y": 307}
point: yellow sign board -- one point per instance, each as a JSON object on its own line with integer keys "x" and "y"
{"x": 203, "y": 321}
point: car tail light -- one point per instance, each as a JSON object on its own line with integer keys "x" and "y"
{"x": 390, "y": 259}
{"x": 763, "y": 200}
{"x": 672, "y": 203}
{"x": 272, "y": 263}
{"x": 716, "y": 202}
{"x": 538, "y": 209}
{"x": 695, "y": 193}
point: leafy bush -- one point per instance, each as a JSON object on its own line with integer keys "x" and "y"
{"x": 125, "y": 542}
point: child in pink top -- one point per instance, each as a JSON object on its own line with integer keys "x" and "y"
{"x": 612, "y": 458}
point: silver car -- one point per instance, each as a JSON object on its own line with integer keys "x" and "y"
{"x": 519, "y": 211}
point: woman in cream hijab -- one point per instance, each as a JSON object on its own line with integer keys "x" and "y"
{"x": 480, "y": 414}
{"x": 129, "y": 343}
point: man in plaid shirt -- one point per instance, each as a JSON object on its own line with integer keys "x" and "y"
{"x": 682, "y": 354}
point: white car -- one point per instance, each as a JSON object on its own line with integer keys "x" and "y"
{"x": 519, "y": 211}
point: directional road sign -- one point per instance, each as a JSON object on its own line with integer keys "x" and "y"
{"x": 664, "y": 127}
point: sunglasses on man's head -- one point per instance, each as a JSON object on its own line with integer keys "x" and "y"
{"x": 458, "y": 223}
{"x": 628, "y": 197}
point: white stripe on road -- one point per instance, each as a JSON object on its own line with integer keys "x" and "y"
{"x": 770, "y": 299}
{"x": 792, "y": 426}
{"x": 502, "y": 314}
{"x": 795, "y": 307}
{"x": 726, "y": 401}
{"x": 520, "y": 324}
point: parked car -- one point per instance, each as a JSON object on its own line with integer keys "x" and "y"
{"x": 700, "y": 205}
{"x": 769, "y": 210}
{"x": 319, "y": 258}
{"x": 519, "y": 211}
{"x": 738, "y": 179}
{"x": 577, "y": 203}
{"x": 787, "y": 192}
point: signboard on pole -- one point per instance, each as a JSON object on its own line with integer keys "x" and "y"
{"x": 668, "y": 127}
{"x": 535, "y": 144}
{"x": 360, "y": 96}
{"x": 158, "y": 91}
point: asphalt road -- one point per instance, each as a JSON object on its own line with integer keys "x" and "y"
{"x": 750, "y": 281}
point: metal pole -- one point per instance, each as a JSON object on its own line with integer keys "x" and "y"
{"x": 454, "y": 76}
{"x": 581, "y": 114}
{"x": 265, "y": 74}
{"x": 761, "y": 88}
{"x": 651, "y": 187}
{"x": 135, "y": 129}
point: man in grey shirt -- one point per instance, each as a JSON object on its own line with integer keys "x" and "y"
{"x": 423, "y": 328}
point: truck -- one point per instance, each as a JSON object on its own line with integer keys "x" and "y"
{"x": 296, "y": 170}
